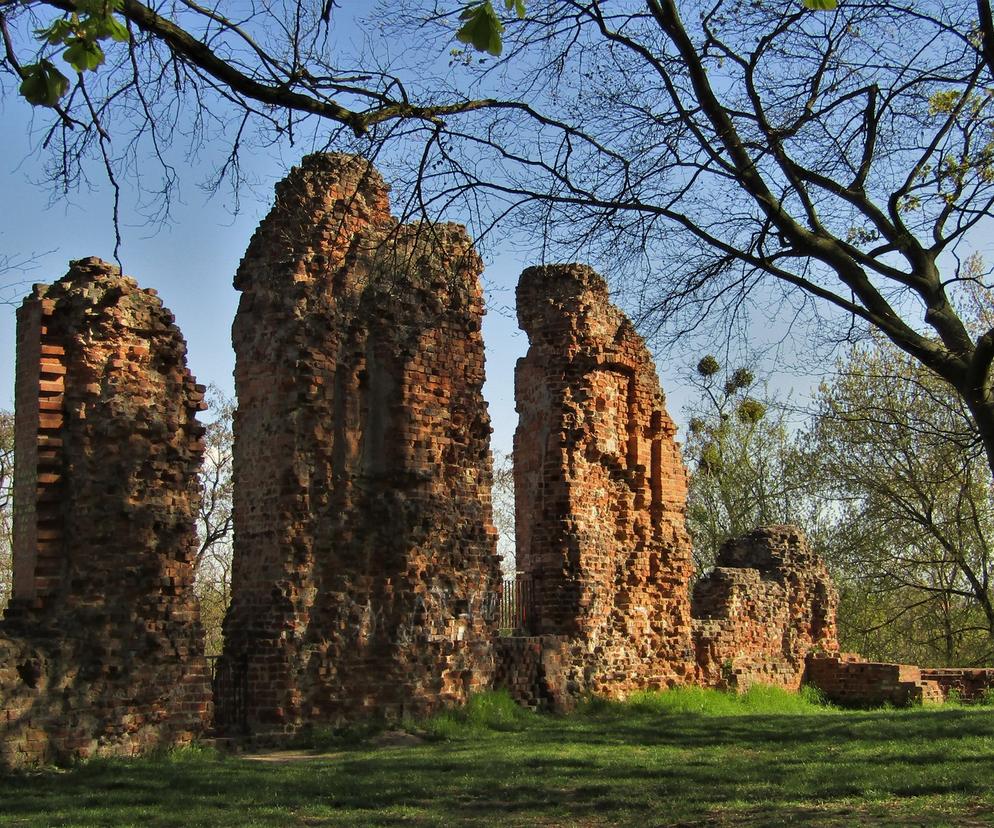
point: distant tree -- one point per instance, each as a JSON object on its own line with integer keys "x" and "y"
{"x": 6, "y": 505}
{"x": 744, "y": 468}
{"x": 214, "y": 523}
{"x": 503, "y": 504}
{"x": 896, "y": 451}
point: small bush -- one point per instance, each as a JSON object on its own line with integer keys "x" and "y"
{"x": 986, "y": 698}
{"x": 813, "y": 696}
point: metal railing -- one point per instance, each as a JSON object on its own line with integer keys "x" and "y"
{"x": 229, "y": 678}
{"x": 517, "y": 604}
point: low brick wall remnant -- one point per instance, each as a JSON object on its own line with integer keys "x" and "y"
{"x": 600, "y": 490}
{"x": 365, "y": 577}
{"x": 970, "y": 685}
{"x": 534, "y": 671}
{"x": 847, "y": 679}
{"x": 768, "y": 602}
{"x": 101, "y": 648}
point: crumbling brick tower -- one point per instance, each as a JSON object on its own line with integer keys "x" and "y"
{"x": 101, "y": 649}
{"x": 365, "y": 557}
{"x": 600, "y": 489}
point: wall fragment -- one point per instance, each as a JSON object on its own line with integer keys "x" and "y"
{"x": 768, "y": 602}
{"x": 365, "y": 570}
{"x": 101, "y": 648}
{"x": 600, "y": 489}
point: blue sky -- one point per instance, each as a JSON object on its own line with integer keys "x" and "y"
{"x": 191, "y": 263}
{"x": 192, "y": 259}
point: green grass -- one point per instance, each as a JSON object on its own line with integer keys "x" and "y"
{"x": 687, "y": 757}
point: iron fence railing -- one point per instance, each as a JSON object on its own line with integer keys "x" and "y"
{"x": 517, "y": 605}
{"x": 229, "y": 678}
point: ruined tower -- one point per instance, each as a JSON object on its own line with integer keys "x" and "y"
{"x": 600, "y": 489}
{"x": 365, "y": 557}
{"x": 101, "y": 648}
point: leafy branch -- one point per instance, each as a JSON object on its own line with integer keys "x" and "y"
{"x": 80, "y": 32}
{"x": 483, "y": 30}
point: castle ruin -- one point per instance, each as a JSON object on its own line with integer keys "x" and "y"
{"x": 365, "y": 576}
{"x": 365, "y": 551}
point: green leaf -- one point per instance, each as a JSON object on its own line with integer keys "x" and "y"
{"x": 99, "y": 8}
{"x": 43, "y": 84}
{"x": 57, "y": 33}
{"x": 100, "y": 28}
{"x": 83, "y": 55}
{"x": 482, "y": 28}
{"x": 820, "y": 5}
{"x": 116, "y": 30}
{"x": 517, "y": 5}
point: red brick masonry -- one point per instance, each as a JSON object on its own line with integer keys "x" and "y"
{"x": 768, "y": 602}
{"x": 848, "y": 679}
{"x": 101, "y": 648}
{"x": 600, "y": 490}
{"x": 365, "y": 576}
{"x": 365, "y": 573}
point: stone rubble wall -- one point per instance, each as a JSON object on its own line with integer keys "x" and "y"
{"x": 101, "y": 647}
{"x": 600, "y": 490}
{"x": 768, "y": 603}
{"x": 365, "y": 575}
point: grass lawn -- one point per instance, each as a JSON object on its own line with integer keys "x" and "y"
{"x": 687, "y": 757}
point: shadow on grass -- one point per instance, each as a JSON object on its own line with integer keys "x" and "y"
{"x": 889, "y": 767}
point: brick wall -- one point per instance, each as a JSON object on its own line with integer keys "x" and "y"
{"x": 600, "y": 489}
{"x": 968, "y": 684}
{"x": 535, "y": 670}
{"x": 365, "y": 571}
{"x": 101, "y": 649}
{"x": 847, "y": 679}
{"x": 768, "y": 602}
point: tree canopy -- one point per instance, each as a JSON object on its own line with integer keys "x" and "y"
{"x": 892, "y": 447}
{"x": 835, "y": 163}
{"x": 733, "y": 155}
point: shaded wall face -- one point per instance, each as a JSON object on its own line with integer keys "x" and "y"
{"x": 600, "y": 487}
{"x": 365, "y": 557}
{"x": 108, "y": 450}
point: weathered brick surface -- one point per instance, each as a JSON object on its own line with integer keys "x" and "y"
{"x": 846, "y": 678}
{"x": 101, "y": 648}
{"x": 365, "y": 557}
{"x": 767, "y": 604}
{"x": 535, "y": 671}
{"x": 968, "y": 684}
{"x": 600, "y": 489}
